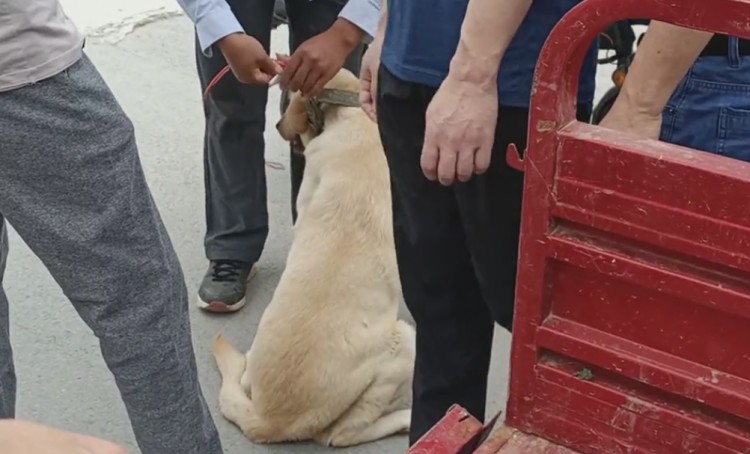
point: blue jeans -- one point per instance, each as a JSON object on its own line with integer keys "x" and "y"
{"x": 710, "y": 109}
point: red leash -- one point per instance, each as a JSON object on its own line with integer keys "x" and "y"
{"x": 215, "y": 81}
{"x": 220, "y": 75}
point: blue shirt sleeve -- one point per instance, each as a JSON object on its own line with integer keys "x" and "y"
{"x": 213, "y": 20}
{"x": 364, "y": 14}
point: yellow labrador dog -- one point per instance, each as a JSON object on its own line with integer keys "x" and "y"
{"x": 330, "y": 361}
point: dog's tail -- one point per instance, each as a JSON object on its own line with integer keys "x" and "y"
{"x": 231, "y": 363}
{"x": 234, "y": 403}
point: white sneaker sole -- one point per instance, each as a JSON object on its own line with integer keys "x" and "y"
{"x": 221, "y": 307}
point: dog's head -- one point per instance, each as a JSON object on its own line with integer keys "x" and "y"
{"x": 296, "y": 125}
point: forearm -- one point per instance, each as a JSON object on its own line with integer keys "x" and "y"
{"x": 213, "y": 21}
{"x": 664, "y": 56}
{"x": 486, "y": 32}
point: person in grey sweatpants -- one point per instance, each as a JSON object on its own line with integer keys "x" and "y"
{"x": 72, "y": 186}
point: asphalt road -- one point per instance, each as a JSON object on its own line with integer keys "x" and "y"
{"x": 62, "y": 379}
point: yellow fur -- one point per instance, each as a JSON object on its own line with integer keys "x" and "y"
{"x": 330, "y": 361}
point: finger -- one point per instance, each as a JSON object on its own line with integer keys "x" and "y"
{"x": 259, "y": 77}
{"x": 284, "y": 58}
{"x": 314, "y": 78}
{"x": 429, "y": 159}
{"x": 318, "y": 87}
{"x": 465, "y": 164}
{"x": 290, "y": 68}
{"x": 368, "y": 93}
{"x": 446, "y": 166}
{"x": 268, "y": 66}
{"x": 483, "y": 156}
{"x": 265, "y": 71}
{"x": 367, "y": 107}
{"x": 365, "y": 98}
{"x": 298, "y": 79}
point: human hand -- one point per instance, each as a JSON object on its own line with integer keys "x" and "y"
{"x": 318, "y": 59}
{"x": 459, "y": 131}
{"x": 22, "y": 437}
{"x": 249, "y": 61}
{"x": 368, "y": 79}
{"x": 625, "y": 116}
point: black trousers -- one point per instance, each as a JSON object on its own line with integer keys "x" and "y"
{"x": 457, "y": 250}
{"x": 234, "y": 148}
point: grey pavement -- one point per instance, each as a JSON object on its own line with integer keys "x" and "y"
{"x": 62, "y": 379}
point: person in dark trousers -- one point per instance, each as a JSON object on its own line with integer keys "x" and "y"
{"x": 324, "y": 36}
{"x": 449, "y": 95}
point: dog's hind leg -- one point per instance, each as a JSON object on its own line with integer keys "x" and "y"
{"x": 365, "y": 420}
{"x": 234, "y": 403}
{"x": 391, "y": 424}
{"x": 405, "y": 342}
{"x": 380, "y": 412}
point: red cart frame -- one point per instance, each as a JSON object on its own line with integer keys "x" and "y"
{"x": 632, "y": 326}
{"x": 632, "y": 331}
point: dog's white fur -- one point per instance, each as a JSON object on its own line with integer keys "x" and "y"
{"x": 330, "y": 361}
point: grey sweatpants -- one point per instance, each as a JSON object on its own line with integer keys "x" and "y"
{"x": 72, "y": 185}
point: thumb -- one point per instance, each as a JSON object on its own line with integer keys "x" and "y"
{"x": 364, "y": 87}
{"x": 268, "y": 66}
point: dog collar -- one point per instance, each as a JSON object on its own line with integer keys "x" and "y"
{"x": 315, "y": 115}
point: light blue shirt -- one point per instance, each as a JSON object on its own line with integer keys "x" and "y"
{"x": 214, "y": 19}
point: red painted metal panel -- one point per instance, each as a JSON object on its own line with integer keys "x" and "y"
{"x": 457, "y": 433}
{"x": 632, "y": 328}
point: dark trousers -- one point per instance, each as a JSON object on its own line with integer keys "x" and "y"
{"x": 234, "y": 148}
{"x": 457, "y": 250}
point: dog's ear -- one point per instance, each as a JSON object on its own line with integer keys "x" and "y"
{"x": 294, "y": 121}
{"x": 298, "y": 115}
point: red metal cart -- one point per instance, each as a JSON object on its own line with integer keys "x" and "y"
{"x": 632, "y": 328}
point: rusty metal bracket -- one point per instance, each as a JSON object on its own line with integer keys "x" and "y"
{"x": 514, "y": 159}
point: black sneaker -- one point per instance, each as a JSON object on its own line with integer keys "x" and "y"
{"x": 224, "y": 285}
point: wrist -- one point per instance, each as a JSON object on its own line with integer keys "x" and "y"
{"x": 228, "y": 43}
{"x": 349, "y": 34}
{"x": 377, "y": 41}
{"x": 474, "y": 67}
{"x": 643, "y": 102}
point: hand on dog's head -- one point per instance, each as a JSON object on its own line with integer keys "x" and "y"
{"x": 294, "y": 122}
